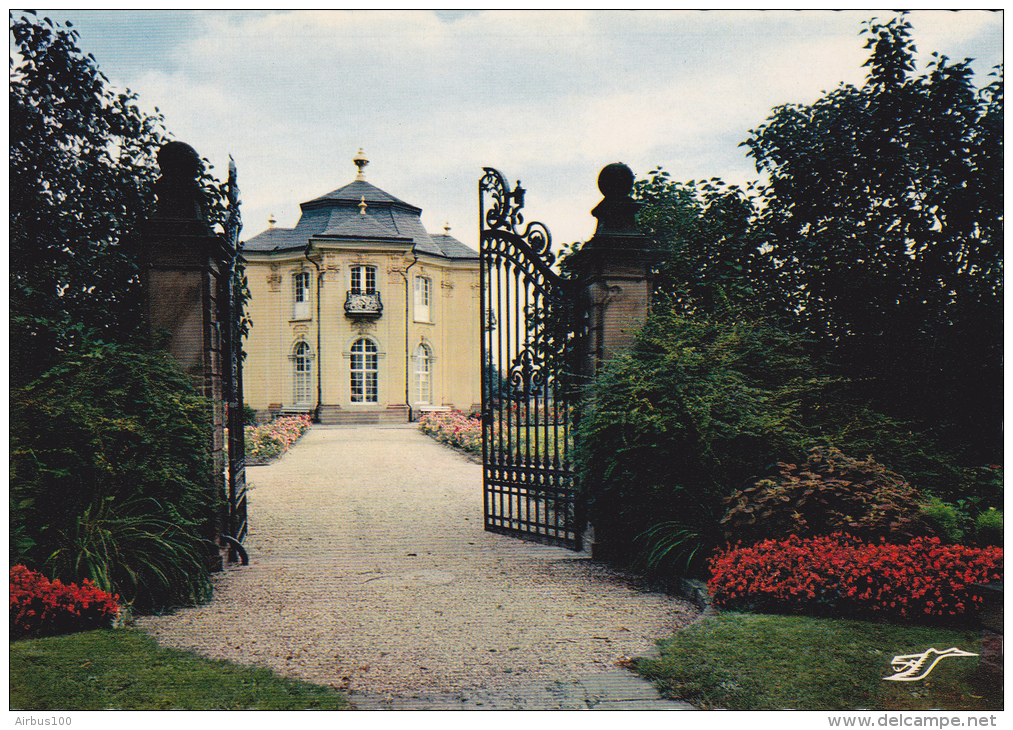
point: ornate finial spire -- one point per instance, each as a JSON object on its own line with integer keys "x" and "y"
{"x": 360, "y": 162}
{"x": 271, "y": 221}
{"x": 446, "y": 227}
{"x": 362, "y": 205}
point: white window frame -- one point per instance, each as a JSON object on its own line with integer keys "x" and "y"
{"x": 302, "y": 374}
{"x": 301, "y": 295}
{"x": 362, "y": 279}
{"x": 364, "y": 372}
{"x": 423, "y": 299}
{"x": 423, "y": 374}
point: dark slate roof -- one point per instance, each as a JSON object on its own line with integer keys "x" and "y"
{"x": 452, "y": 248}
{"x": 336, "y": 216}
{"x": 356, "y": 191}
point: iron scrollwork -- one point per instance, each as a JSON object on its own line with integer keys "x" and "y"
{"x": 504, "y": 214}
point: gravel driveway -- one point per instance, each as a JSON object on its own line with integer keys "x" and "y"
{"x": 370, "y": 572}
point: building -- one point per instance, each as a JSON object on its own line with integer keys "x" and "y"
{"x": 360, "y": 315}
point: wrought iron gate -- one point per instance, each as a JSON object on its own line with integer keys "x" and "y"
{"x": 532, "y": 324}
{"x": 230, "y": 315}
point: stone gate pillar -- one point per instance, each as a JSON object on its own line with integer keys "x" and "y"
{"x": 613, "y": 269}
{"x": 613, "y": 274}
{"x": 182, "y": 262}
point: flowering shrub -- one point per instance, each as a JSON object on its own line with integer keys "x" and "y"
{"x": 268, "y": 440}
{"x": 40, "y": 607}
{"x": 839, "y": 574}
{"x": 454, "y": 428}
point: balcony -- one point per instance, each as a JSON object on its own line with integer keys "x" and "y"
{"x": 363, "y": 305}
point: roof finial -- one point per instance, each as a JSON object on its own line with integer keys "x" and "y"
{"x": 446, "y": 227}
{"x": 362, "y": 205}
{"x": 271, "y": 221}
{"x": 360, "y": 162}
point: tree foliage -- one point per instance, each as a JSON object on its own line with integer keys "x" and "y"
{"x": 712, "y": 253}
{"x": 81, "y": 171}
{"x": 883, "y": 221}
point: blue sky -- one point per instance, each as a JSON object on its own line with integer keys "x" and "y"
{"x": 546, "y": 97}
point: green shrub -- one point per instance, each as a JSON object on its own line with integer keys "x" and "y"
{"x": 949, "y": 522}
{"x": 830, "y": 492}
{"x": 700, "y": 406}
{"x": 988, "y": 527}
{"x": 111, "y": 476}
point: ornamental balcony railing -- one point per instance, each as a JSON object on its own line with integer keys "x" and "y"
{"x": 362, "y": 304}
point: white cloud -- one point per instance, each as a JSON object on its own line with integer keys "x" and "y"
{"x": 546, "y": 96}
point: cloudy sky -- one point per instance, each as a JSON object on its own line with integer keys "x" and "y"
{"x": 546, "y": 97}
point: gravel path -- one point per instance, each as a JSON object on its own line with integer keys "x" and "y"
{"x": 370, "y": 572}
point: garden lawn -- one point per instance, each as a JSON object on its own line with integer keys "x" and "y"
{"x": 124, "y": 669}
{"x": 763, "y": 662}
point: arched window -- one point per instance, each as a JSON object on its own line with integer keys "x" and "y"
{"x": 423, "y": 360}
{"x": 364, "y": 372}
{"x": 302, "y": 364}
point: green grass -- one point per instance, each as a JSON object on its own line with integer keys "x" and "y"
{"x": 762, "y": 662}
{"x": 126, "y": 670}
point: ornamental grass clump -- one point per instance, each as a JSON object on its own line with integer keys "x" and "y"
{"x": 454, "y": 428}
{"x": 840, "y": 575}
{"x": 40, "y": 607}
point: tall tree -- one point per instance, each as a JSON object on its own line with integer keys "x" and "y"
{"x": 82, "y": 167}
{"x": 883, "y": 217}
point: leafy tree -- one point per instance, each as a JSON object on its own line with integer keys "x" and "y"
{"x": 884, "y": 220}
{"x": 82, "y": 167}
{"x": 711, "y": 249}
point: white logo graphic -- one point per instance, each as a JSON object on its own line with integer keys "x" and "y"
{"x": 912, "y": 667}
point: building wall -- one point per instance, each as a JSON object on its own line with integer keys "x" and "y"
{"x": 452, "y": 334}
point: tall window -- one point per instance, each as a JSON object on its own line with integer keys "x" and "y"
{"x": 363, "y": 280}
{"x": 301, "y": 296}
{"x": 423, "y": 293}
{"x": 303, "y": 371}
{"x": 364, "y": 372}
{"x": 423, "y": 374}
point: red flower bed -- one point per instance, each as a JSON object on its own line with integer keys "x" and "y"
{"x": 840, "y": 575}
{"x": 40, "y": 607}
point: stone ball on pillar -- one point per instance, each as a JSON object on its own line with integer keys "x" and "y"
{"x": 178, "y": 190}
{"x": 617, "y": 213}
{"x": 178, "y": 159}
{"x": 615, "y": 180}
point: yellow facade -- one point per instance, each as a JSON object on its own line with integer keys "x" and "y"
{"x": 367, "y": 320}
